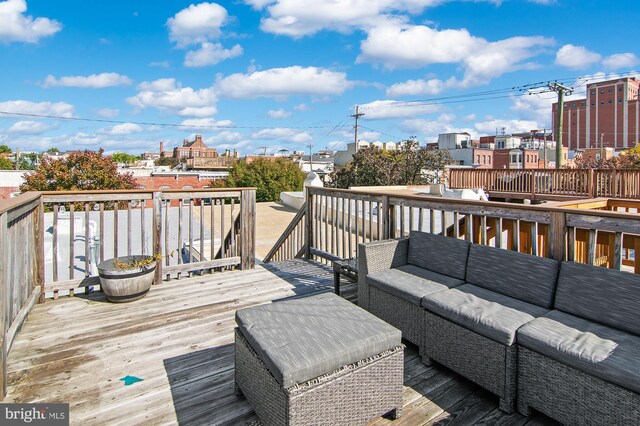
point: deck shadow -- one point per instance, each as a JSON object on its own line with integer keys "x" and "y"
{"x": 306, "y": 277}
{"x": 201, "y": 385}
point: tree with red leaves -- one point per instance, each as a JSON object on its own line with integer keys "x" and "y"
{"x": 80, "y": 171}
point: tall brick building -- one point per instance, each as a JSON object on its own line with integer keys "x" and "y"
{"x": 191, "y": 149}
{"x": 610, "y": 113}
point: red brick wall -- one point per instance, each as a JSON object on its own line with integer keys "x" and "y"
{"x": 5, "y": 192}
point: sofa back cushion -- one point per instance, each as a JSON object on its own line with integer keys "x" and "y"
{"x": 521, "y": 276}
{"x": 599, "y": 294}
{"x": 444, "y": 255}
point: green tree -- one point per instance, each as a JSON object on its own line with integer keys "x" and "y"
{"x": 53, "y": 150}
{"x": 167, "y": 161}
{"x": 28, "y": 161}
{"x": 6, "y": 164}
{"x": 123, "y": 157}
{"x": 81, "y": 170}
{"x": 408, "y": 165}
{"x": 269, "y": 177}
{"x": 4, "y": 149}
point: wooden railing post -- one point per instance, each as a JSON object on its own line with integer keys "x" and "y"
{"x": 532, "y": 183}
{"x": 591, "y": 176}
{"x": 39, "y": 242}
{"x": 308, "y": 223}
{"x": 248, "y": 229}
{"x": 558, "y": 236}
{"x": 4, "y": 304}
{"x": 384, "y": 217}
{"x": 157, "y": 234}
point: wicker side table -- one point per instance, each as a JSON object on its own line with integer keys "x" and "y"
{"x": 350, "y": 394}
{"x": 347, "y": 268}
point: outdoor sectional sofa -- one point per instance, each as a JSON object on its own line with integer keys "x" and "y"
{"x": 555, "y": 335}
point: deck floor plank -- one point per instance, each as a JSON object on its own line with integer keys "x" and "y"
{"x": 179, "y": 340}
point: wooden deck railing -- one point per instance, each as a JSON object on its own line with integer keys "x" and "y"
{"x": 588, "y": 183}
{"x": 51, "y": 241}
{"x": 338, "y": 220}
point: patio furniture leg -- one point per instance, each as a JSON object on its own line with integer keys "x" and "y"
{"x": 336, "y": 282}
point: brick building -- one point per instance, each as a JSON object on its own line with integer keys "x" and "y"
{"x": 609, "y": 115}
{"x": 190, "y": 149}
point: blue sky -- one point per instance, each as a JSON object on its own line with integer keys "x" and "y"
{"x": 287, "y": 73}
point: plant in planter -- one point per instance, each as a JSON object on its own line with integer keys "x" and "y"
{"x": 127, "y": 278}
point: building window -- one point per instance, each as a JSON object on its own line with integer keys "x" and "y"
{"x": 489, "y": 158}
{"x": 620, "y": 89}
{"x": 601, "y": 102}
{"x": 610, "y": 90}
{"x": 478, "y": 159}
{"x": 619, "y": 100}
{"x": 484, "y": 159}
{"x": 593, "y": 92}
{"x": 610, "y": 100}
{"x": 574, "y": 105}
{"x": 593, "y": 103}
{"x": 566, "y": 106}
{"x": 602, "y": 92}
{"x": 582, "y": 103}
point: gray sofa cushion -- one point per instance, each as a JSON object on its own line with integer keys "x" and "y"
{"x": 444, "y": 255}
{"x": 301, "y": 339}
{"x": 525, "y": 277}
{"x": 483, "y": 311}
{"x": 411, "y": 282}
{"x": 596, "y": 349}
{"x": 600, "y": 294}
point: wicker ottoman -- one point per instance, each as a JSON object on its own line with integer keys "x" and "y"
{"x": 318, "y": 360}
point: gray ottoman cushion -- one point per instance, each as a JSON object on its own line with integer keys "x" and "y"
{"x": 612, "y": 355}
{"x": 483, "y": 311}
{"x": 600, "y": 294}
{"x": 301, "y": 339}
{"x": 523, "y": 276}
{"x": 444, "y": 255}
{"x": 411, "y": 283}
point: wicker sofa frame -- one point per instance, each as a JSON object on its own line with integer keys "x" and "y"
{"x": 351, "y": 395}
{"x": 570, "y": 395}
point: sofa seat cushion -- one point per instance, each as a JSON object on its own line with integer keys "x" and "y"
{"x": 411, "y": 282}
{"x": 483, "y": 311}
{"x": 601, "y": 351}
{"x": 301, "y": 339}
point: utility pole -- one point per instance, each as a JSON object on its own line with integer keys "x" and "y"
{"x": 310, "y": 157}
{"x": 601, "y": 146}
{"x": 357, "y": 115}
{"x": 544, "y": 135}
{"x": 561, "y": 90}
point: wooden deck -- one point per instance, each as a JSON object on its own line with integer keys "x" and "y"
{"x": 179, "y": 340}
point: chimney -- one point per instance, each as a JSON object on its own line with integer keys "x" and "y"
{"x": 185, "y": 142}
{"x": 161, "y": 149}
{"x": 198, "y": 138}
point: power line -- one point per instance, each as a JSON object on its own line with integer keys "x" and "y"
{"x": 150, "y": 123}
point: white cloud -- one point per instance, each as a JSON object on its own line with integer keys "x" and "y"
{"x": 282, "y": 82}
{"x": 297, "y": 19}
{"x": 168, "y": 95}
{"x": 576, "y": 57}
{"x": 206, "y": 122}
{"x": 621, "y": 60}
{"x": 210, "y": 54}
{"x": 397, "y": 45}
{"x": 378, "y": 110}
{"x": 302, "y": 107}
{"x": 417, "y": 88}
{"x": 369, "y": 136}
{"x": 511, "y": 126}
{"x": 93, "y": 81}
{"x": 428, "y": 130}
{"x": 16, "y": 26}
{"x": 61, "y": 109}
{"x": 108, "y": 113}
{"x": 197, "y": 24}
{"x": 276, "y": 114}
{"x": 29, "y": 127}
{"x": 283, "y": 134}
{"x": 535, "y": 108}
{"x": 123, "y": 129}
{"x": 225, "y": 136}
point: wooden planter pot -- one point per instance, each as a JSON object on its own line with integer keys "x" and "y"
{"x": 125, "y": 285}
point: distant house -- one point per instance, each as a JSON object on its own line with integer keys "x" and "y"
{"x": 192, "y": 149}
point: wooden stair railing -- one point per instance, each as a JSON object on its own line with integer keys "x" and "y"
{"x": 289, "y": 234}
